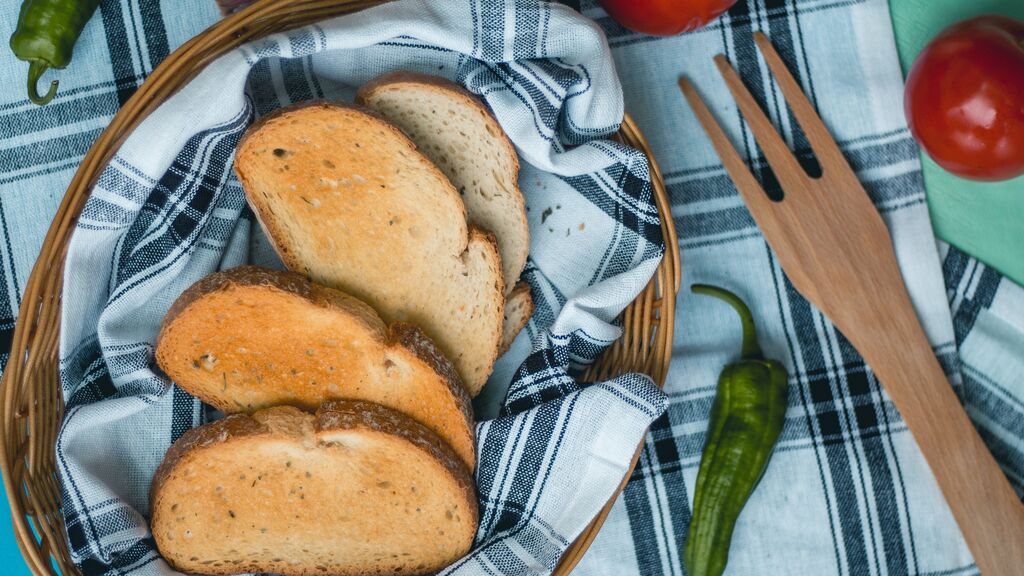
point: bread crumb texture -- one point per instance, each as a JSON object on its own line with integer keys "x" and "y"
{"x": 350, "y": 203}
{"x": 250, "y": 338}
{"x": 355, "y": 489}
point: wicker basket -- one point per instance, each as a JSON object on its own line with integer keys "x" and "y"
{"x": 32, "y": 405}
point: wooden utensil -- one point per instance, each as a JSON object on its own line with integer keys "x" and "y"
{"x": 836, "y": 250}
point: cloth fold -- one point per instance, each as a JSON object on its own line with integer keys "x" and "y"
{"x": 168, "y": 210}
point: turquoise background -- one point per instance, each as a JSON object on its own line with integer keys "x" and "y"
{"x": 984, "y": 220}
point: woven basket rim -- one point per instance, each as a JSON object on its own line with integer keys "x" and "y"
{"x": 32, "y": 403}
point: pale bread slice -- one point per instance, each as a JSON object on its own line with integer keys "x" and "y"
{"x": 457, "y": 132}
{"x": 251, "y": 338}
{"x": 348, "y": 201}
{"x": 356, "y": 489}
{"x": 518, "y": 310}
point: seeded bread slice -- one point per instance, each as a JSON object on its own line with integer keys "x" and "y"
{"x": 457, "y": 132}
{"x": 251, "y": 338}
{"x": 349, "y": 202}
{"x": 518, "y": 310}
{"x": 356, "y": 489}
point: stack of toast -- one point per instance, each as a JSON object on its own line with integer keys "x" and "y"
{"x": 349, "y": 442}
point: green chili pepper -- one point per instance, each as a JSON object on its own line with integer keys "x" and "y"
{"x": 46, "y": 35}
{"x": 746, "y": 418}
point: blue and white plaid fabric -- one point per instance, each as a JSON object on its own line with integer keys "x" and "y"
{"x": 846, "y": 494}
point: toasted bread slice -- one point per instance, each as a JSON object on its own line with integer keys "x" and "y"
{"x": 457, "y": 132}
{"x": 518, "y": 310}
{"x": 348, "y": 201}
{"x": 251, "y": 338}
{"x": 356, "y": 489}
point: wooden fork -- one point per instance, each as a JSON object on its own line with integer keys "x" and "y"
{"x": 836, "y": 250}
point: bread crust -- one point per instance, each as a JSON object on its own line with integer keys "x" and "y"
{"x": 356, "y": 414}
{"x": 276, "y": 114}
{"x": 272, "y": 230}
{"x": 412, "y": 338}
{"x": 399, "y": 334}
{"x": 229, "y": 428}
{"x": 284, "y": 280}
{"x": 394, "y": 80}
{"x": 474, "y": 379}
{"x": 443, "y": 85}
{"x": 318, "y": 103}
{"x": 289, "y": 423}
{"x": 514, "y": 325}
{"x": 481, "y": 235}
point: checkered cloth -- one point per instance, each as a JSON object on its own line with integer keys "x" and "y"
{"x": 846, "y": 493}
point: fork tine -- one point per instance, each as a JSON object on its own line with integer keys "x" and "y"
{"x": 745, "y": 182}
{"x": 817, "y": 134}
{"x": 787, "y": 170}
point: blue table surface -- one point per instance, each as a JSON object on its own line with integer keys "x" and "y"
{"x": 10, "y": 556}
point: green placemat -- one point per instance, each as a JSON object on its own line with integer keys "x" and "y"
{"x": 985, "y": 220}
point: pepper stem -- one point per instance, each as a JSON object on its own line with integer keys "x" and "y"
{"x": 751, "y": 350}
{"x": 35, "y": 72}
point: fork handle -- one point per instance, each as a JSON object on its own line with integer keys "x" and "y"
{"x": 987, "y": 509}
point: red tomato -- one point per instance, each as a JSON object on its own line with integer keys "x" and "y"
{"x": 965, "y": 98}
{"x": 665, "y": 17}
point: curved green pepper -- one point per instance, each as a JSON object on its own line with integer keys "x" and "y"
{"x": 46, "y": 35}
{"x": 746, "y": 418}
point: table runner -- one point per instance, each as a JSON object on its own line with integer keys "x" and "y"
{"x": 871, "y": 507}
